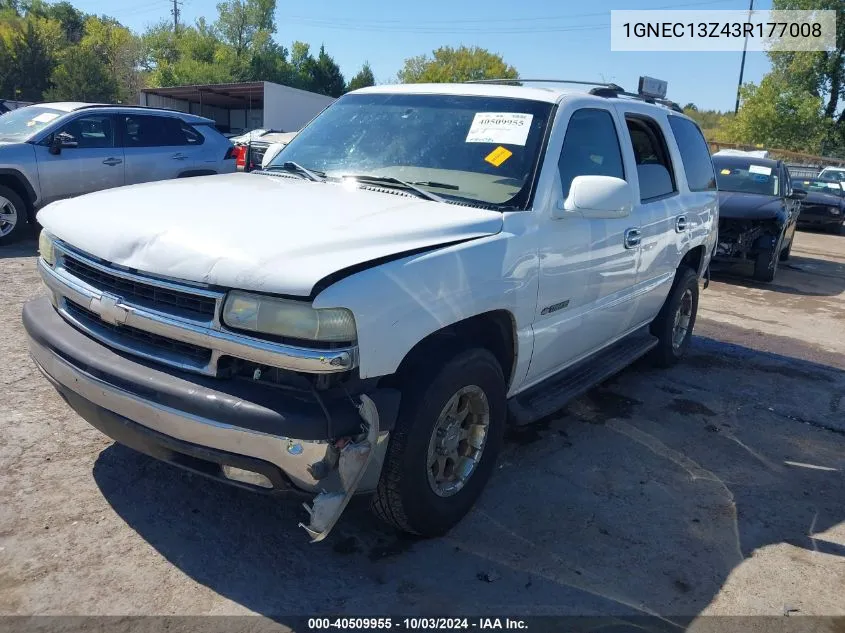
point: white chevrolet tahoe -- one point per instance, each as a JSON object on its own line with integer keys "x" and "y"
{"x": 420, "y": 267}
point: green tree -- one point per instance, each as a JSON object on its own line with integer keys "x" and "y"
{"x": 809, "y": 82}
{"x": 363, "y": 79}
{"x": 326, "y": 77}
{"x": 83, "y": 76}
{"x": 239, "y": 21}
{"x": 71, "y": 19}
{"x": 455, "y": 65}
{"x": 32, "y": 61}
{"x": 119, "y": 50}
{"x": 780, "y": 115}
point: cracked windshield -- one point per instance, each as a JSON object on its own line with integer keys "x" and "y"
{"x": 463, "y": 148}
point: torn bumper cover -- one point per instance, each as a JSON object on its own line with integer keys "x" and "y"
{"x": 745, "y": 238}
{"x": 248, "y": 434}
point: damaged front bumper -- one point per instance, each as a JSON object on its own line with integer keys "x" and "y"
{"x": 249, "y": 435}
{"x": 746, "y": 238}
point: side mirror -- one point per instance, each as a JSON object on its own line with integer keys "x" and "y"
{"x": 798, "y": 194}
{"x": 61, "y": 141}
{"x": 596, "y": 197}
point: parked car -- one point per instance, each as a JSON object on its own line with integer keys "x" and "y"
{"x": 836, "y": 174}
{"x": 261, "y": 150}
{"x": 758, "y": 212}
{"x": 421, "y": 266}
{"x": 52, "y": 151}
{"x": 824, "y": 206}
{"x": 245, "y": 137}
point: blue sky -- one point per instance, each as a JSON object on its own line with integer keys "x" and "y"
{"x": 541, "y": 38}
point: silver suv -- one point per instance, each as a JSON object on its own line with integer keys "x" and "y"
{"x": 51, "y": 151}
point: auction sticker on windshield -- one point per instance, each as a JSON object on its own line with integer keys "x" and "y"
{"x": 504, "y": 128}
{"x": 45, "y": 117}
{"x": 760, "y": 169}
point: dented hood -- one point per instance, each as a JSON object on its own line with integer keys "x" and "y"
{"x": 256, "y": 232}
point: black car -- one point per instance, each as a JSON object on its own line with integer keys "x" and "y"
{"x": 824, "y": 206}
{"x": 758, "y": 212}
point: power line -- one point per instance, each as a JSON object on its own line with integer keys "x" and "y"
{"x": 426, "y": 25}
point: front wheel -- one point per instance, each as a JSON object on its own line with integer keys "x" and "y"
{"x": 766, "y": 266}
{"x": 676, "y": 319}
{"x": 444, "y": 446}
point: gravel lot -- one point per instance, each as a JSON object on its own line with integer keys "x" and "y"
{"x": 713, "y": 488}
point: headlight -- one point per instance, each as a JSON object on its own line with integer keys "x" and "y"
{"x": 47, "y": 248}
{"x": 835, "y": 210}
{"x": 294, "y": 319}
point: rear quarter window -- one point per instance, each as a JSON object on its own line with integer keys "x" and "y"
{"x": 695, "y": 154}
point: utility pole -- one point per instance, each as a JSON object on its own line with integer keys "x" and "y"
{"x": 742, "y": 65}
{"x": 175, "y": 11}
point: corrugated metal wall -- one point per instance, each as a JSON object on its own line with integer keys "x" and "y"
{"x": 219, "y": 115}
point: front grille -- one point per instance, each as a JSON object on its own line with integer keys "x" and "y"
{"x": 256, "y": 153}
{"x": 151, "y": 345}
{"x": 142, "y": 294}
{"x": 819, "y": 209}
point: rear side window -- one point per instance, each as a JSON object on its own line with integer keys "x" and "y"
{"x": 590, "y": 148}
{"x": 158, "y": 131}
{"x": 654, "y": 167}
{"x": 694, "y": 154}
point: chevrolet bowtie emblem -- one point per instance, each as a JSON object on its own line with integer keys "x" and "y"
{"x": 110, "y": 310}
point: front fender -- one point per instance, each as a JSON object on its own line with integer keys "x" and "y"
{"x": 398, "y": 303}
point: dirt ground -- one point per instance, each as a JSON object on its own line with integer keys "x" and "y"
{"x": 713, "y": 488}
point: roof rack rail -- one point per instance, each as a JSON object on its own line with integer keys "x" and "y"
{"x": 601, "y": 89}
{"x": 129, "y": 105}
{"x": 611, "y": 94}
{"x": 546, "y": 81}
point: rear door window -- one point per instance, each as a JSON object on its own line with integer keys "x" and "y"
{"x": 651, "y": 154}
{"x": 695, "y": 154}
{"x": 158, "y": 131}
{"x": 590, "y": 148}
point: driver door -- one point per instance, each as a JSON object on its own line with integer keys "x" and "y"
{"x": 89, "y": 160}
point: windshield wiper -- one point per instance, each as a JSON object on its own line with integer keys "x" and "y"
{"x": 395, "y": 182}
{"x": 296, "y": 168}
{"x": 438, "y": 185}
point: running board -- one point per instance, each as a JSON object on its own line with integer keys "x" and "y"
{"x": 555, "y": 392}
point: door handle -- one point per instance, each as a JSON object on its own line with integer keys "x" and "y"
{"x": 632, "y": 238}
{"x": 178, "y": 157}
{"x": 111, "y": 162}
{"x": 680, "y": 224}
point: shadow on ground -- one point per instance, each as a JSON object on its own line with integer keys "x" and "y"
{"x": 640, "y": 498}
{"x": 806, "y": 276}
{"x": 24, "y": 248}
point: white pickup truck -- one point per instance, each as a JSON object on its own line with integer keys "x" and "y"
{"x": 420, "y": 267}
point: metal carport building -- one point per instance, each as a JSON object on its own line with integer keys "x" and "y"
{"x": 239, "y": 107}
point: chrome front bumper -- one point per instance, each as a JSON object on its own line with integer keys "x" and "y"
{"x": 291, "y": 456}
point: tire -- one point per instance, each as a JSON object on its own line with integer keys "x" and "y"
{"x": 684, "y": 291}
{"x": 14, "y": 224}
{"x": 766, "y": 266}
{"x": 405, "y": 497}
{"x": 786, "y": 253}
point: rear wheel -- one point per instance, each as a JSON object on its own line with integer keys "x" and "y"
{"x": 444, "y": 446}
{"x": 13, "y": 216}
{"x": 676, "y": 320}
